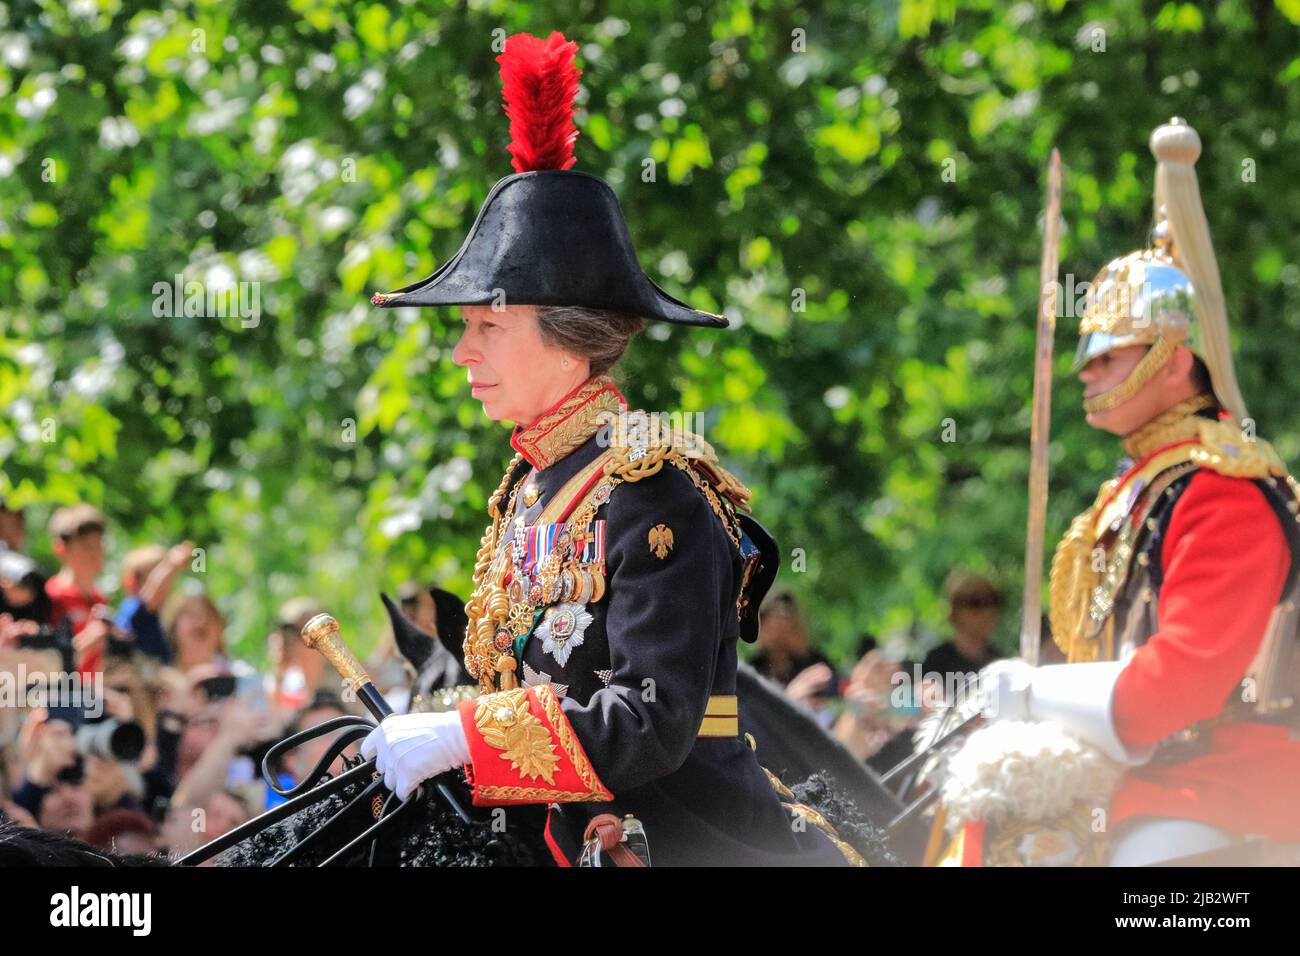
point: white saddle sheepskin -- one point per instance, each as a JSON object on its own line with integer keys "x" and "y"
{"x": 1028, "y": 769}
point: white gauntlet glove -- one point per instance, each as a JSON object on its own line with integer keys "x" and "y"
{"x": 1004, "y": 689}
{"x": 410, "y": 748}
{"x": 1078, "y": 697}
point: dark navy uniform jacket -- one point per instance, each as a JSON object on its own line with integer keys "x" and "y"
{"x": 613, "y": 693}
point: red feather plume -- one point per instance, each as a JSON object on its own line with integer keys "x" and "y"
{"x": 539, "y": 80}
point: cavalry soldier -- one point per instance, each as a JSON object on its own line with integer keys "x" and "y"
{"x": 1174, "y": 595}
{"x": 619, "y": 569}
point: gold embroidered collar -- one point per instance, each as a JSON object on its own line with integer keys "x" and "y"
{"x": 1173, "y": 425}
{"x": 568, "y": 424}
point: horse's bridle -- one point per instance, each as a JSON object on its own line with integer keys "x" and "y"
{"x": 317, "y": 785}
{"x": 908, "y": 770}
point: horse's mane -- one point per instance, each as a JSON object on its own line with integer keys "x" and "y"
{"x": 23, "y": 846}
{"x": 430, "y": 835}
{"x": 794, "y": 746}
{"x": 817, "y": 767}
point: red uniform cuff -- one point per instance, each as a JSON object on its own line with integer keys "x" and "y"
{"x": 522, "y": 749}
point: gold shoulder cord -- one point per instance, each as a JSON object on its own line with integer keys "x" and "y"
{"x": 721, "y": 506}
{"x": 1073, "y": 578}
{"x": 634, "y": 462}
{"x": 489, "y": 605}
{"x": 1225, "y": 449}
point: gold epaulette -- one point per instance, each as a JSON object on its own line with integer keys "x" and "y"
{"x": 644, "y": 442}
{"x": 1225, "y": 449}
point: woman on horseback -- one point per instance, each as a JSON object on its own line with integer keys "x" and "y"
{"x": 619, "y": 569}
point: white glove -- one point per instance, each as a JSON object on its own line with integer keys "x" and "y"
{"x": 410, "y": 748}
{"x": 1078, "y": 697}
{"x": 1004, "y": 689}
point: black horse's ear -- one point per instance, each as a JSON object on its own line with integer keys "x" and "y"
{"x": 449, "y": 613}
{"x": 415, "y": 645}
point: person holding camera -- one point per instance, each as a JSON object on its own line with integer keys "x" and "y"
{"x": 99, "y": 755}
{"x": 49, "y": 744}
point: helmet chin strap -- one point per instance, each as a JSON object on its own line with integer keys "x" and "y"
{"x": 1161, "y": 351}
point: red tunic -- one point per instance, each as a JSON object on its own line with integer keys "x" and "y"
{"x": 1225, "y": 560}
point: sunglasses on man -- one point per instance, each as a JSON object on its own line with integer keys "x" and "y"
{"x": 978, "y": 603}
{"x": 85, "y": 528}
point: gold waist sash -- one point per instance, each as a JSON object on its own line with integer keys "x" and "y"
{"x": 721, "y": 717}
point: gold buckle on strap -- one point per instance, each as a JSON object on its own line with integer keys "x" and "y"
{"x": 721, "y": 717}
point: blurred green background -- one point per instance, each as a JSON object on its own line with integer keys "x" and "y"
{"x": 884, "y": 158}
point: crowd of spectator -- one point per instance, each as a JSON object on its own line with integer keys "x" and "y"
{"x": 875, "y": 706}
{"x": 124, "y": 719}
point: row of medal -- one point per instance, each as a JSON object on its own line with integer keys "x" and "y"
{"x": 550, "y": 567}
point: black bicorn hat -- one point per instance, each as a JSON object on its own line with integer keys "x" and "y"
{"x": 547, "y": 235}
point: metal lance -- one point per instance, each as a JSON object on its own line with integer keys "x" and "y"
{"x": 1031, "y": 625}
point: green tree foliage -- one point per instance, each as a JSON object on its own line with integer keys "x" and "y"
{"x": 858, "y": 185}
